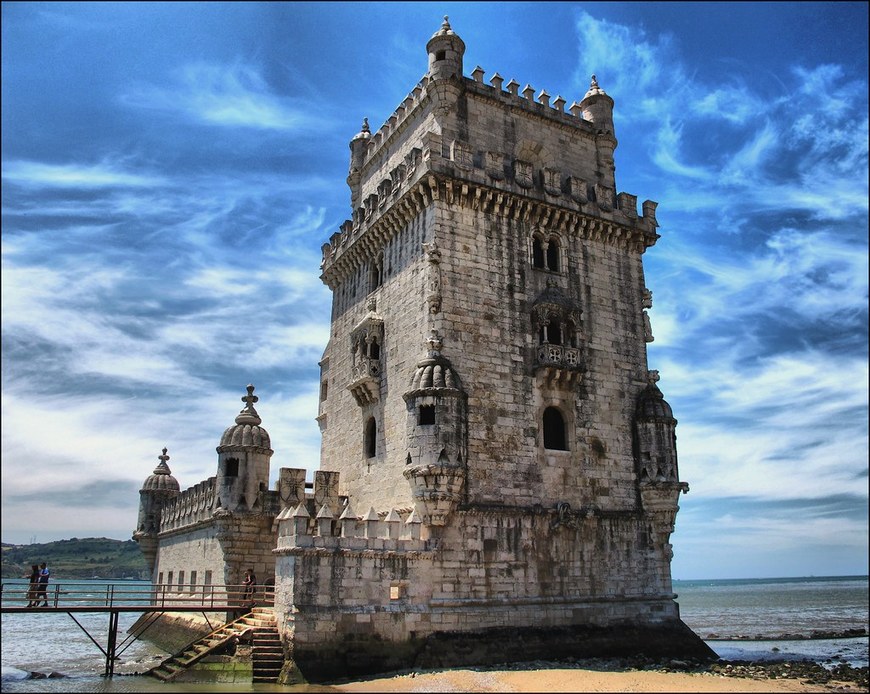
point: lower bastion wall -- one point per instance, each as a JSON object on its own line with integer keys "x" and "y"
{"x": 356, "y": 596}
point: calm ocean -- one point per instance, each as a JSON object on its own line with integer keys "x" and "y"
{"x": 755, "y": 608}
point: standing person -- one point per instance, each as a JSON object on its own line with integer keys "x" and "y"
{"x": 34, "y": 585}
{"x": 44, "y": 573}
{"x": 250, "y": 584}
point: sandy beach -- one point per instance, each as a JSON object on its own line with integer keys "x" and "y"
{"x": 581, "y": 680}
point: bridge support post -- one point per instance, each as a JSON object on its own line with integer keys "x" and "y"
{"x": 111, "y": 644}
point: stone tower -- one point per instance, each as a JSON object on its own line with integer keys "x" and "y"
{"x": 158, "y": 489}
{"x": 486, "y": 377}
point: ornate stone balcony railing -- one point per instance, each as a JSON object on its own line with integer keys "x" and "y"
{"x": 365, "y": 383}
{"x": 558, "y": 355}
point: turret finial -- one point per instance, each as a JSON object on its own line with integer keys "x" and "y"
{"x": 162, "y": 468}
{"x": 594, "y": 83}
{"x": 365, "y": 125}
{"x": 250, "y": 398}
{"x": 249, "y": 415}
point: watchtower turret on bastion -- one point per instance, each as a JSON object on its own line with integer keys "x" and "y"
{"x": 504, "y": 463}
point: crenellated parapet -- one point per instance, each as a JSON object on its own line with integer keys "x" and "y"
{"x": 194, "y": 505}
{"x": 391, "y": 531}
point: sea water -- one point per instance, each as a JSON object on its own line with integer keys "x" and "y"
{"x": 716, "y": 610}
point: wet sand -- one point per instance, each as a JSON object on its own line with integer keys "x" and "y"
{"x": 579, "y": 680}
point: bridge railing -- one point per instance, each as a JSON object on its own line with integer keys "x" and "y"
{"x": 118, "y": 595}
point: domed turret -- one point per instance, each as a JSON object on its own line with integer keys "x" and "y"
{"x": 159, "y": 488}
{"x": 243, "y": 459}
{"x": 436, "y": 454}
{"x": 358, "y": 145}
{"x": 597, "y": 107}
{"x": 445, "y": 51}
{"x": 655, "y": 434}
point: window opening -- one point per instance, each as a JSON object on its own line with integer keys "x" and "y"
{"x": 554, "y": 430}
{"x": 426, "y": 415}
{"x": 232, "y": 467}
{"x": 374, "y": 350}
{"x": 553, "y": 255}
{"x": 537, "y": 253}
{"x": 371, "y": 437}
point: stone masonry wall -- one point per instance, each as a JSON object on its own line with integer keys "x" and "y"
{"x": 486, "y": 571}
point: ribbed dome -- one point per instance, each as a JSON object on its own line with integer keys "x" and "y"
{"x": 652, "y": 405}
{"x": 246, "y": 435}
{"x": 161, "y": 479}
{"x": 247, "y": 430}
{"x": 435, "y": 372}
{"x": 595, "y": 90}
{"x": 446, "y": 30}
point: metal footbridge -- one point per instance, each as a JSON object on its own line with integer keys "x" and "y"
{"x": 114, "y": 598}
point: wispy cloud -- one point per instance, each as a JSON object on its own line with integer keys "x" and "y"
{"x": 103, "y": 175}
{"x": 223, "y": 95}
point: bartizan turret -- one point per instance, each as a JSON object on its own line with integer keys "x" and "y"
{"x": 159, "y": 488}
{"x": 445, "y": 51}
{"x": 660, "y": 486}
{"x": 243, "y": 460}
{"x": 436, "y": 458}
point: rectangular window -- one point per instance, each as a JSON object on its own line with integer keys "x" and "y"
{"x": 324, "y": 390}
{"x": 180, "y": 581}
{"x": 207, "y": 580}
{"x": 192, "y": 580}
{"x": 232, "y": 467}
{"x": 169, "y": 579}
{"x": 427, "y": 414}
{"x": 160, "y": 578}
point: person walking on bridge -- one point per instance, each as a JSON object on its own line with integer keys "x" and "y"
{"x": 33, "y": 588}
{"x": 44, "y": 573}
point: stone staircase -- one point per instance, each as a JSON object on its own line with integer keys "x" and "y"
{"x": 259, "y": 625}
{"x": 267, "y": 653}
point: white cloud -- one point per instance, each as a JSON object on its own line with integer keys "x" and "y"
{"x": 103, "y": 175}
{"x": 223, "y": 95}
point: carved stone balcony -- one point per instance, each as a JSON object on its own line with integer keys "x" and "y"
{"x": 365, "y": 384}
{"x": 558, "y": 364}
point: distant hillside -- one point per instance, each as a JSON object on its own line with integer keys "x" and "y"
{"x": 77, "y": 558}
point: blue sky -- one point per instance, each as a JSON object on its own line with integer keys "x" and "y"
{"x": 170, "y": 171}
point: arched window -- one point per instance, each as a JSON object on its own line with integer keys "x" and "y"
{"x": 550, "y": 332}
{"x": 371, "y": 437}
{"x": 554, "y": 430}
{"x": 537, "y": 252}
{"x": 374, "y": 349}
{"x": 570, "y": 336}
{"x": 553, "y": 255}
{"x": 376, "y": 273}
